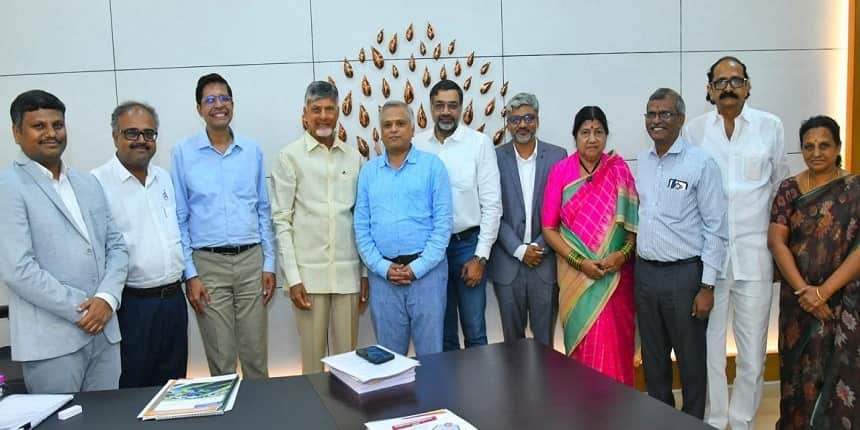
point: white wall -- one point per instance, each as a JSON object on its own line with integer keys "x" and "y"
{"x": 612, "y": 53}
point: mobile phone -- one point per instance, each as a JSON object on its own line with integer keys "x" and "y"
{"x": 374, "y": 354}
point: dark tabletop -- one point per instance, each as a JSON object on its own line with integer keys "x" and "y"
{"x": 281, "y": 403}
{"x": 520, "y": 385}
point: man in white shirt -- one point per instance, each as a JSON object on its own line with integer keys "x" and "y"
{"x": 522, "y": 267}
{"x": 312, "y": 201}
{"x": 748, "y": 146}
{"x": 471, "y": 163}
{"x": 61, "y": 256}
{"x": 153, "y": 318}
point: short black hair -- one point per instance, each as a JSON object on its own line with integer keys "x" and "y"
{"x": 714, "y": 66}
{"x": 32, "y": 100}
{"x": 590, "y": 113}
{"x": 445, "y": 85}
{"x": 212, "y": 78}
{"x": 826, "y": 122}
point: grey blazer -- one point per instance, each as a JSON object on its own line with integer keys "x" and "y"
{"x": 49, "y": 265}
{"x": 503, "y": 266}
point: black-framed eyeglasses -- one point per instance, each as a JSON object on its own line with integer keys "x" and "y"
{"x": 722, "y": 83}
{"x": 223, "y": 98}
{"x": 528, "y": 118}
{"x": 132, "y": 134}
{"x": 663, "y": 114}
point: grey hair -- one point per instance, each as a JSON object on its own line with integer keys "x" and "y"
{"x": 663, "y": 93}
{"x": 523, "y": 99}
{"x": 318, "y": 90}
{"x": 391, "y": 104}
{"x": 129, "y": 106}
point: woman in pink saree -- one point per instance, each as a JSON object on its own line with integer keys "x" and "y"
{"x": 590, "y": 216}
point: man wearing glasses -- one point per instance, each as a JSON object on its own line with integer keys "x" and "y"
{"x": 471, "y": 163}
{"x": 522, "y": 267}
{"x": 680, "y": 249}
{"x": 222, "y": 206}
{"x": 748, "y": 145}
{"x": 153, "y": 319}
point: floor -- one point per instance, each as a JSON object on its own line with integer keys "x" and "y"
{"x": 768, "y": 411}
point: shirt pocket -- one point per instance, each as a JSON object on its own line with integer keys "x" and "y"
{"x": 345, "y": 186}
{"x": 462, "y": 178}
{"x": 754, "y": 167}
{"x": 675, "y": 203}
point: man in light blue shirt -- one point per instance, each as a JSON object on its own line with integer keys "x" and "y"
{"x": 402, "y": 225}
{"x": 681, "y": 246}
{"x": 222, "y": 206}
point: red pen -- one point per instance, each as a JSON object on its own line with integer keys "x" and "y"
{"x": 413, "y": 423}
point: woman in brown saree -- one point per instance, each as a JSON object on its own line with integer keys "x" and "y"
{"x": 813, "y": 236}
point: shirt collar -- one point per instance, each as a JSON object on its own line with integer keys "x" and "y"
{"x": 124, "y": 175}
{"x": 676, "y": 148}
{"x": 410, "y": 157}
{"x": 64, "y": 170}
{"x": 311, "y": 143}
{"x": 717, "y": 119}
{"x": 531, "y": 157}
{"x": 456, "y": 136}
{"x": 204, "y": 141}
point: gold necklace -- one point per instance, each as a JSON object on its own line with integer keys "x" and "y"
{"x": 834, "y": 175}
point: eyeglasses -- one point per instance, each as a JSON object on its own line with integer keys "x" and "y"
{"x": 664, "y": 115}
{"x": 224, "y": 98}
{"x": 439, "y": 107}
{"x": 517, "y": 119}
{"x": 722, "y": 83}
{"x": 132, "y": 134}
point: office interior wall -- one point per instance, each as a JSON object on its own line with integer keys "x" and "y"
{"x": 612, "y": 53}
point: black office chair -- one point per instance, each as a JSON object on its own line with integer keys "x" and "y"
{"x": 11, "y": 369}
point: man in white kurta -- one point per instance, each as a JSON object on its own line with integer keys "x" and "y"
{"x": 748, "y": 145}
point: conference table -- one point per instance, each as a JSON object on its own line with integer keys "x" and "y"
{"x": 516, "y": 385}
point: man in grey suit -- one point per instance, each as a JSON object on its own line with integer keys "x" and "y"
{"x": 521, "y": 266}
{"x": 61, "y": 256}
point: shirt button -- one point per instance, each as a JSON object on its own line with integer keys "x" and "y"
{"x": 89, "y": 251}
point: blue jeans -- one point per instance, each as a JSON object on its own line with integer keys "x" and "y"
{"x": 469, "y": 302}
{"x": 417, "y": 309}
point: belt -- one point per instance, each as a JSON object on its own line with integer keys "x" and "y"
{"x": 162, "y": 292}
{"x": 467, "y": 233}
{"x": 229, "y": 249}
{"x": 403, "y": 259}
{"x": 695, "y": 259}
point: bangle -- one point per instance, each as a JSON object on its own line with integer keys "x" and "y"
{"x": 627, "y": 250}
{"x": 575, "y": 260}
{"x": 817, "y": 293}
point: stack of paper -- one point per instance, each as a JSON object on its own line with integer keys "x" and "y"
{"x": 181, "y": 398}
{"x": 363, "y": 376}
{"x": 439, "y": 419}
{"x": 28, "y": 410}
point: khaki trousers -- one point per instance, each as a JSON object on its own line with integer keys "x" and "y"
{"x": 233, "y": 325}
{"x": 338, "y": 312}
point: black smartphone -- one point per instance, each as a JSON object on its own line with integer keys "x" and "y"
{"x": 374, "y": 354}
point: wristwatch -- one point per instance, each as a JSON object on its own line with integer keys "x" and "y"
{"x": 705, "y": 286}
{"x": 481, "y": 260}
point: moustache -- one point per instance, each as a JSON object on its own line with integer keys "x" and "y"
{"x": 728, "y": 95}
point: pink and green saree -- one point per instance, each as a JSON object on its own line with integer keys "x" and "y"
{"x": 593, "y": 215}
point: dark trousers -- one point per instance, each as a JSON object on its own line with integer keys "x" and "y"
{"x": 154, "y": 346}
{"x": 528, "y": 300}
{"x": 664, "y": 306}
